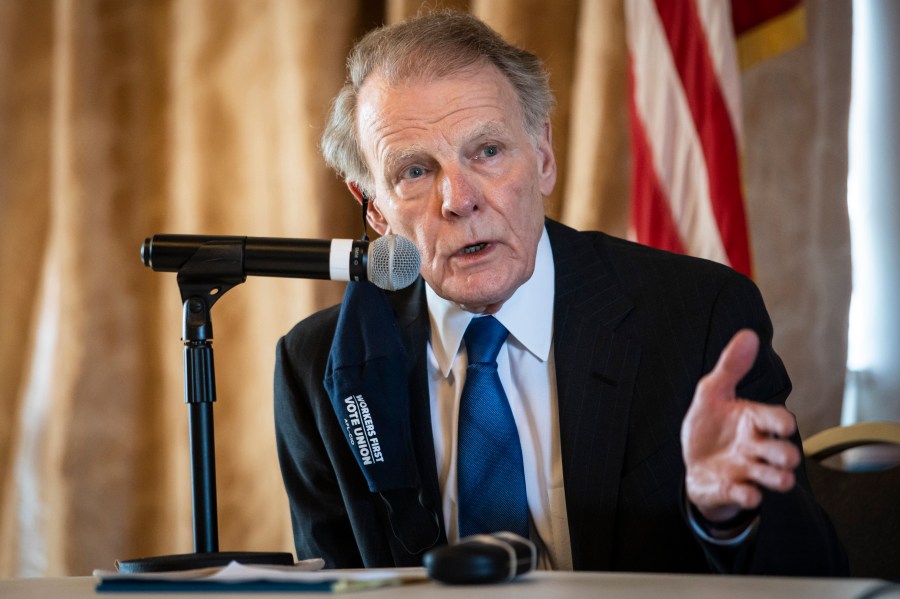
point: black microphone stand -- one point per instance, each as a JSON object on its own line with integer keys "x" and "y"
{"x": 214, "y": 269}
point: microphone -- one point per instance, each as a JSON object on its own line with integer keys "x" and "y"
{"x": 390, "y": 262}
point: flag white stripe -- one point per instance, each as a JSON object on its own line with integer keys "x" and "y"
{"x": 715, "y": 17}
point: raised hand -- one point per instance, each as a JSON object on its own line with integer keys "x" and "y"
{"x": 733, "y": 446}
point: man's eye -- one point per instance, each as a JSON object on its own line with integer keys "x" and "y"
{"x": 489, "y": 151}
{"x": 413, "y": 172}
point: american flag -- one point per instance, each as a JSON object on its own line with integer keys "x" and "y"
{"x": 685, "y": 114}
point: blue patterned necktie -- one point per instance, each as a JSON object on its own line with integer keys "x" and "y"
{"x": 490, "y": 474}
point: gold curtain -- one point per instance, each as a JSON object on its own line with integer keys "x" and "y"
{"x": 121, "y": 119}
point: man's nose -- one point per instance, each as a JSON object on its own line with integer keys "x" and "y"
{"x": 460, "y": 194}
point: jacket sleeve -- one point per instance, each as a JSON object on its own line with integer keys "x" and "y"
{"x": 319, "y": 517}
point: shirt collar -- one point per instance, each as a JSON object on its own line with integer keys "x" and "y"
{"x": 527, "y": 315}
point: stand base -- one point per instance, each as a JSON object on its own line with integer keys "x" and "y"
{"x": 191, "y": 561}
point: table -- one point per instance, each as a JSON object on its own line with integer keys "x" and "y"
{"x": 536, "y": 585}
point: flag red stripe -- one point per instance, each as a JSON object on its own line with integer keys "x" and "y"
{"x": 651, "y": 216}
{"x": 690, "y": 52}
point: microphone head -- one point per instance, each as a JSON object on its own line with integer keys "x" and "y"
{"x": 393, "y": 262}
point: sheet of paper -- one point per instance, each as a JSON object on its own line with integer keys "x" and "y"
{"x": 307, "y": 572}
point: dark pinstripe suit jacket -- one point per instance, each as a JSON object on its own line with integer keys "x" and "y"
{"x": 634, "y": 331}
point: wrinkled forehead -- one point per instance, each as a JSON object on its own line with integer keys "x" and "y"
{"x": 380, "y": 90}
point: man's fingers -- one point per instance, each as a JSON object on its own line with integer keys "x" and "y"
{"x": 736, "y": 483}
{"x": 736, "y": 360}
{"x": 778, "y": 453}
{"x": 771, "y": 477}
{"x": 771, "y": 420}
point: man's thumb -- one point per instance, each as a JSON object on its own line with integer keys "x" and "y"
{"x": 737, "y": 358}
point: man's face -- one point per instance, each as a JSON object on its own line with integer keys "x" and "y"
{"x": 455, "y": 171}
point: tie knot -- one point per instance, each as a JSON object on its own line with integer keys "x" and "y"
{"x": 484, "y": 337}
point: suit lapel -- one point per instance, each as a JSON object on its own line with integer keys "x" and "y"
{"x": 596, "y": 367}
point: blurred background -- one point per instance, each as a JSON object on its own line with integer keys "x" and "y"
{"x": 120, "y": 119}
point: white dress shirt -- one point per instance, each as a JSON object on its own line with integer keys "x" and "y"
{"x": 526, "y": 368}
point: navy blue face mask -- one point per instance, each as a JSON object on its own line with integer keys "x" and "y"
{"x": 367, "y": 381}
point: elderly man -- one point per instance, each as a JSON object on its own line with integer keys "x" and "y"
{"x": 629, "y": 415}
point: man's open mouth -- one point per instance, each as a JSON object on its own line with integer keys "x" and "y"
{"x": 471, "y": 249}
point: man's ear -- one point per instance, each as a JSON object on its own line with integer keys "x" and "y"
{"x": 546, "y": 161}
{"x": 373, "y": 214}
